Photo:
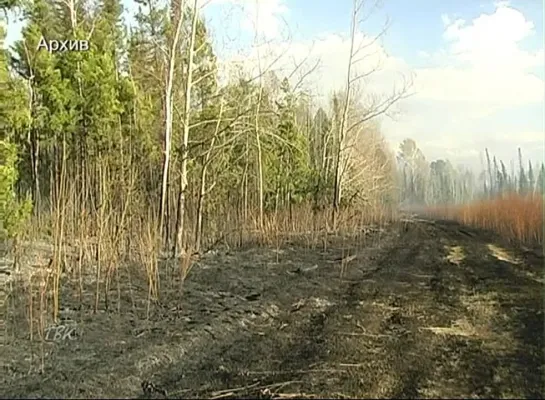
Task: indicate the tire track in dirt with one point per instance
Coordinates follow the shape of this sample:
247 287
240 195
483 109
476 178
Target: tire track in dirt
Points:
434 312
484 345
399 361
460 294
395 334
366 348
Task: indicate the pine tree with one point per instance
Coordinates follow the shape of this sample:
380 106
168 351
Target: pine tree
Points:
13 122
491 186
505 177
541 180
531 178
523 180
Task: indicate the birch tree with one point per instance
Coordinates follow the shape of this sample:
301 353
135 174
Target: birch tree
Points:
177 7
186 119
379 105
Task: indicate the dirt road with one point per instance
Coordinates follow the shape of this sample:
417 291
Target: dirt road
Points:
424 309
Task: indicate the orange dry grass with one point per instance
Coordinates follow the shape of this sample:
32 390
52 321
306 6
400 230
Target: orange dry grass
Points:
519 218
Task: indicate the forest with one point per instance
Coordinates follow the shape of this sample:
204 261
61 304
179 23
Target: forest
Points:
136 138
130 155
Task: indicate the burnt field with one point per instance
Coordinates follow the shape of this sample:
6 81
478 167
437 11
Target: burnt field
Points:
420 308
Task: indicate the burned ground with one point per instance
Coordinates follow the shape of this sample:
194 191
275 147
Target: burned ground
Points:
420 309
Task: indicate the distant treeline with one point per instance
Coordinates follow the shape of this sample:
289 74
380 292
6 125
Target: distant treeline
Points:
439 182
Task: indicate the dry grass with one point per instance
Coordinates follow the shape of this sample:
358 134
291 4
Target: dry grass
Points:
456 254
518 218
107 257
502 254
302 222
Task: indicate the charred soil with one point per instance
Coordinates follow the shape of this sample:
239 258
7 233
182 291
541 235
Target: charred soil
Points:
422 309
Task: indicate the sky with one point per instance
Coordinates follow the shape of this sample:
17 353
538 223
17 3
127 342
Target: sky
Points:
476 67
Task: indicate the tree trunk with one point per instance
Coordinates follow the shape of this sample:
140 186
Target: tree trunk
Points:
168 115
341 133
202 191
179 245
259 158
35 159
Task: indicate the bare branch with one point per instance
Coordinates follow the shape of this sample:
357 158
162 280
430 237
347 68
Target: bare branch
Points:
305 75
383 106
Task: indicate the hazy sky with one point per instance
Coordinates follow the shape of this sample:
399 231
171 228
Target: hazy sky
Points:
477 66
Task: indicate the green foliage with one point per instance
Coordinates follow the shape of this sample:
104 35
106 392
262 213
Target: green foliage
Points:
8 4
13 214
98 117
288 161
